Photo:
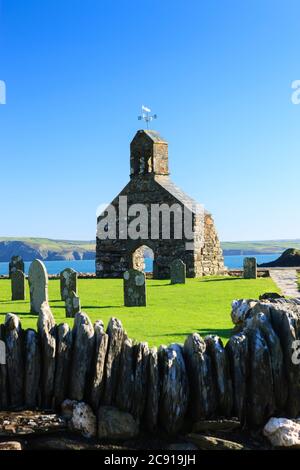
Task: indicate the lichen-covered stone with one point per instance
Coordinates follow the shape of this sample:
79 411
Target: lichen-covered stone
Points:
174 395
134 288
115 424
83 420
250 268
72 303
38 284
16 263
68 282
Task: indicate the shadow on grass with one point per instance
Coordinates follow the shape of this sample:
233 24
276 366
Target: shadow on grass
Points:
83 307
223 332
223 279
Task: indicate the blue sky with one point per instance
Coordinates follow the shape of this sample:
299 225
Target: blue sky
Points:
217 73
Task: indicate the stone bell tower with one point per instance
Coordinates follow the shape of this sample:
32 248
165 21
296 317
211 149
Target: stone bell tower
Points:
148 154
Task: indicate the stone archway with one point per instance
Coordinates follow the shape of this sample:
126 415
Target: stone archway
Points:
140 258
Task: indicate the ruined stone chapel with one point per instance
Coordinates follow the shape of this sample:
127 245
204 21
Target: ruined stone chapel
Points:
150 184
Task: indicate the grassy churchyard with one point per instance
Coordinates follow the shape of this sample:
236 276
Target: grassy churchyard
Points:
172 312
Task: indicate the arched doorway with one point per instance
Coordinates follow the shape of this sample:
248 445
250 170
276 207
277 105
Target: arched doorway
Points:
142 259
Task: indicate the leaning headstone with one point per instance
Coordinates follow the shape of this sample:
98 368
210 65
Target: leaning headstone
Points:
16 262
38 284
72 304
68 282
177 272
250 268
134 288
18 285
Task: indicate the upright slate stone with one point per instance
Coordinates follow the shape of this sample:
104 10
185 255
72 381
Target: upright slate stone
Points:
250 268
68 282
63 363
98 366
16 263
15 359
38 284
203 401
72 303
177 272
18 291
174 396
152 405
116 336
134 288
83 349
47 336
32 369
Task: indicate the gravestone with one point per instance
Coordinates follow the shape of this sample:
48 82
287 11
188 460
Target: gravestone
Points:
16 263
134 288
38 284
68 282
250 268
177 272
18 291
72 304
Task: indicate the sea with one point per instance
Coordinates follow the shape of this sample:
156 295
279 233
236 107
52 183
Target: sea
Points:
88 266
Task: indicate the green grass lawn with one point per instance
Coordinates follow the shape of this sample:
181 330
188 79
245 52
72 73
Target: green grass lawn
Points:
172 312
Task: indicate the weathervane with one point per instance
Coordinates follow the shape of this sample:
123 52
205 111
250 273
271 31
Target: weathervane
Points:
145 116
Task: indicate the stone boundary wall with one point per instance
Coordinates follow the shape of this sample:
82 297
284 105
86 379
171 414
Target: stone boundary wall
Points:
169 388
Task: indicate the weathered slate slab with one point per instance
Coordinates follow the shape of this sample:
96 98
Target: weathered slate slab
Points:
261 320
237 348
221 375
83 346
152 405
260 388
14 359
47 337
199 365
38 284
112 367
141 359
63 363
124 394
32 393
18 291
174 388
98 366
